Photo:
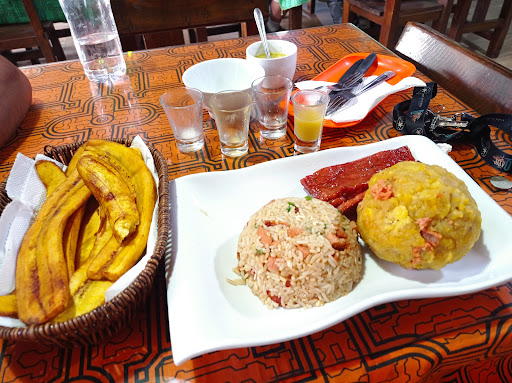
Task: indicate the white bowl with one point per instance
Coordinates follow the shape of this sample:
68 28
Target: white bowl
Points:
216 75
282 66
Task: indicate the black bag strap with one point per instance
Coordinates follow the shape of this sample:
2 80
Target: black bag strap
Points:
414 117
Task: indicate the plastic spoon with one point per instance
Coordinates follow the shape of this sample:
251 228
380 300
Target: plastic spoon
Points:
261 29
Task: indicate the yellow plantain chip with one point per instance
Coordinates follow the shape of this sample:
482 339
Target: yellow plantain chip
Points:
42 278
88 231
113 194
8 305
130 165
86 299
50 174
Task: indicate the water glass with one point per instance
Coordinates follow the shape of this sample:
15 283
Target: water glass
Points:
232 113
95 37
309 111
184 109
272 96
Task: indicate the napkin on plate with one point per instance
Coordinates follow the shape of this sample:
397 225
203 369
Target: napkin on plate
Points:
28 195
357 108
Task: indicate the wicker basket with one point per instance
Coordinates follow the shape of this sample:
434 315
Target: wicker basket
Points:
112 316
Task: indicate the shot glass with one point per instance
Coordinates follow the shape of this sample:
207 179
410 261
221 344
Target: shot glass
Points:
309 111
184 109
232 114
272 95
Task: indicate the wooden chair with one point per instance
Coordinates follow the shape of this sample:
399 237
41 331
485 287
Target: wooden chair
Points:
154 23
478 81
311 6
391 15
40 39
494 30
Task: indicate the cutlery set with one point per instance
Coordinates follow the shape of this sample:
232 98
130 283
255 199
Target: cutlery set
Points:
348 86
344 96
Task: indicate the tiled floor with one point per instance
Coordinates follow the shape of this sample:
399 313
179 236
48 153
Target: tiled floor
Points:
323 17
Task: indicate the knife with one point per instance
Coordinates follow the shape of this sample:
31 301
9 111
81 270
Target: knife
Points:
350 71
357 72
366 64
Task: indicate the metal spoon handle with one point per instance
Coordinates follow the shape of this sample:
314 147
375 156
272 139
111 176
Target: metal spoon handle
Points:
258 17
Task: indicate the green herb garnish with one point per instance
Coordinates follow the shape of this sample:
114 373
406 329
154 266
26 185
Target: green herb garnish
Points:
290 204
308 198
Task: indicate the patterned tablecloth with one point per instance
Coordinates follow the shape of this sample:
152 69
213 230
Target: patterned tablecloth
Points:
464 338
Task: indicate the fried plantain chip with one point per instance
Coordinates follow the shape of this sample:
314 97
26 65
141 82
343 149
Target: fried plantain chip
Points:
8 305
87 298
42 277
113 194
50 174
112 265
91 224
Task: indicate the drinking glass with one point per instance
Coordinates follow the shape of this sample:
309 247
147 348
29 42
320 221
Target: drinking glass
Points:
272 95
309 111
184 109
95 36
232 114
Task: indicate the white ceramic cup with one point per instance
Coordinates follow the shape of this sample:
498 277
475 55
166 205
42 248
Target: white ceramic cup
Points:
281 66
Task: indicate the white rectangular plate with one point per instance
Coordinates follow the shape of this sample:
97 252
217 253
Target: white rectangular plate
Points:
209 210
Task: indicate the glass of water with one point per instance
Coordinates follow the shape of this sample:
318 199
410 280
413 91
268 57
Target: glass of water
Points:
232 113
184 109
95 37
272 95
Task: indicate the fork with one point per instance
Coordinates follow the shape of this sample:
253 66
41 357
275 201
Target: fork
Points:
350 82
343 97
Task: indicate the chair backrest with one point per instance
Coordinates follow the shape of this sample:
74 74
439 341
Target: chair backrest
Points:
36 34
391 15
481 83
14 12
153 16
42 39
488 25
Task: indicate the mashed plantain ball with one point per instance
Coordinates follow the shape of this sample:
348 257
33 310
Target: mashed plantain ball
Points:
418 216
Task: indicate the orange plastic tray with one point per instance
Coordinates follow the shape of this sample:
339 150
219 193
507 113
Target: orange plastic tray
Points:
383 63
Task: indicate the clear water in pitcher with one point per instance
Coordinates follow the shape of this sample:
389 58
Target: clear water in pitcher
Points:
101 56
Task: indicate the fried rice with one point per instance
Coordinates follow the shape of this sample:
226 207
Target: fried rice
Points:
298 252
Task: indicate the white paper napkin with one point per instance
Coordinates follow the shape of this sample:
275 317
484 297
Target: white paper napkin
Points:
14 222
28 194
359 107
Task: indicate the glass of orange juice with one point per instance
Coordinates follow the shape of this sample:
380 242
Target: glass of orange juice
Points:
309 111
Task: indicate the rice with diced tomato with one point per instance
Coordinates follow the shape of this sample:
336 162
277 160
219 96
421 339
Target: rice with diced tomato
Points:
299 252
